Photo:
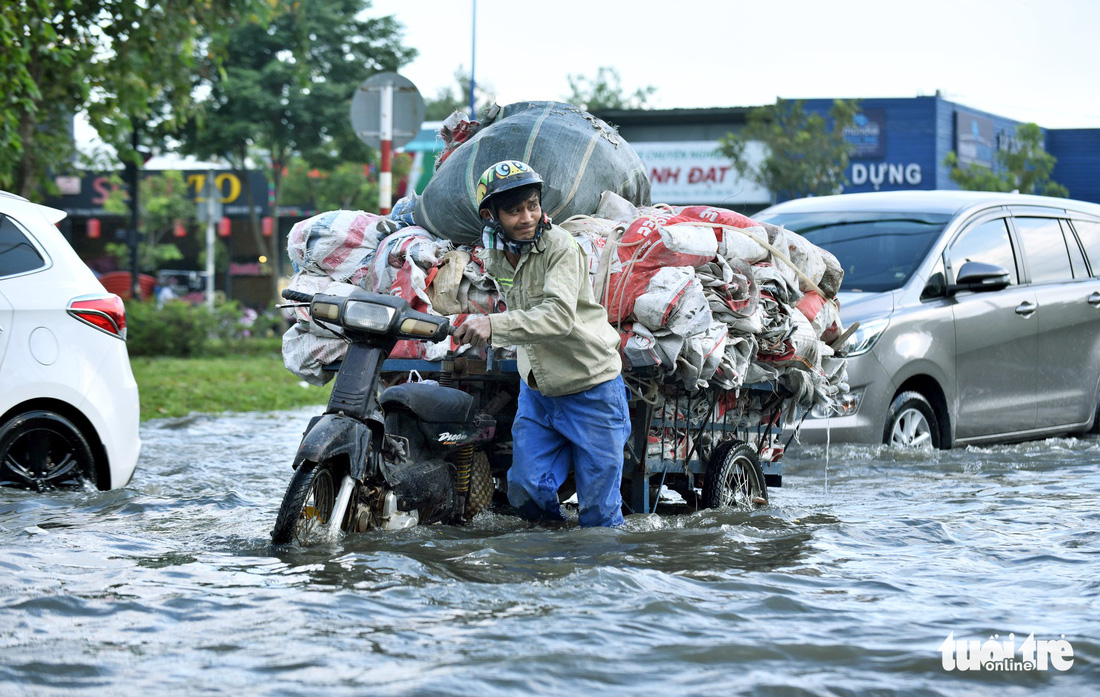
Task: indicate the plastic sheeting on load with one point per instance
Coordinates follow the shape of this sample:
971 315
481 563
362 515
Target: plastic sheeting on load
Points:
577 155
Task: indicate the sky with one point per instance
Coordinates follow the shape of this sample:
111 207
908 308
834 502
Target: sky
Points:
1028 61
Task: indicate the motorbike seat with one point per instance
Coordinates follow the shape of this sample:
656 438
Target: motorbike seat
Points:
430 402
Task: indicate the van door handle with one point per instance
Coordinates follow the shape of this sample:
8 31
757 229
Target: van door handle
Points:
1094 300
1026 308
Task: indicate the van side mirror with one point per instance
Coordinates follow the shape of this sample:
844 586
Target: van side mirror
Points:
980 277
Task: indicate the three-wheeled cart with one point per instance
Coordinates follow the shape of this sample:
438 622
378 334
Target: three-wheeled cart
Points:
690 449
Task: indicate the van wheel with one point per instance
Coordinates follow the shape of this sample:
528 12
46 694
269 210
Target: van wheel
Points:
911 423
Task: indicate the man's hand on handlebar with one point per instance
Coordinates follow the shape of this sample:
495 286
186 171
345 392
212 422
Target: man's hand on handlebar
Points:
475 331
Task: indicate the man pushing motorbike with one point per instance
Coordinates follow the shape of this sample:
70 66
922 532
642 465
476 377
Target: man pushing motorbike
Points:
572 409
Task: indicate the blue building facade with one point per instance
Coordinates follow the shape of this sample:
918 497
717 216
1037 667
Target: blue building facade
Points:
902 144
899 143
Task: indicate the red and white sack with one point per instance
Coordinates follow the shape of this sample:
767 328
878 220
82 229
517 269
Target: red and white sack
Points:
305 354
674 301
615 208
338 243
824 316
643 251
312 284
733 365
402 263
730 288
701 355
807 258
638 347
732 244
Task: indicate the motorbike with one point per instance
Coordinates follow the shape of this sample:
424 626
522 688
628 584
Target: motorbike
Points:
385 456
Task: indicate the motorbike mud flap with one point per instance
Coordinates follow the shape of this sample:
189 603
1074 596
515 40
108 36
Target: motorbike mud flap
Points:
334 435
418 483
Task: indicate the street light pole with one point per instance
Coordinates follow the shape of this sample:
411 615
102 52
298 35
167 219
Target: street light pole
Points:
473 60
132 177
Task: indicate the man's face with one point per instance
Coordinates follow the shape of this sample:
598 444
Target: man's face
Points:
520 221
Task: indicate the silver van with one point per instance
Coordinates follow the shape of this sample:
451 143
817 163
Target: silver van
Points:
979 314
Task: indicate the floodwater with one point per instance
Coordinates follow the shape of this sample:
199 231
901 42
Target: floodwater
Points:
848 583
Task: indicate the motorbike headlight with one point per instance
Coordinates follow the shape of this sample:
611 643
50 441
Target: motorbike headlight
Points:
368 316
865 336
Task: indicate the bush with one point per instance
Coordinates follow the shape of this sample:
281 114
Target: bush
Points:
183 330
175 329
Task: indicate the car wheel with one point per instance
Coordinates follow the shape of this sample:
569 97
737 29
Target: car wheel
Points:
911 423
43 450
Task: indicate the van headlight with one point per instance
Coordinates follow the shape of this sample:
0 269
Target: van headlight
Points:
844 406
865 336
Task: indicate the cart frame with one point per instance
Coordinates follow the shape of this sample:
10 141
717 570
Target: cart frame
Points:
678 452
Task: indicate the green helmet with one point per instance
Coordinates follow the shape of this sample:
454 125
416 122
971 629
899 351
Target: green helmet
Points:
502 176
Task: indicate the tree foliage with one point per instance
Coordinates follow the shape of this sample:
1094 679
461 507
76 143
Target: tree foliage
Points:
1026 167
285 89
806 153
348 186
606 92
121 62
163 201
446 101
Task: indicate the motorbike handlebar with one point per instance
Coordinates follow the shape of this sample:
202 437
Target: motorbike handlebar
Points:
297 296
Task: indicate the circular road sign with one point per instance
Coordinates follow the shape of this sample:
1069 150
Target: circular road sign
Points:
366 109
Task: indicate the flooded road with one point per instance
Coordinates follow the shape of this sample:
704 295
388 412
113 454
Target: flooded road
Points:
850 582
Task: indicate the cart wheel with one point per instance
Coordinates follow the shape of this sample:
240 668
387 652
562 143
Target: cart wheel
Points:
734 477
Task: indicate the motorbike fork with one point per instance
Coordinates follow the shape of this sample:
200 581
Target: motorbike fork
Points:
339 509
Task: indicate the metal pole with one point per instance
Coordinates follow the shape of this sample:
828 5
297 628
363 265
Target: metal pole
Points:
211 192
133 177
385 176
473 59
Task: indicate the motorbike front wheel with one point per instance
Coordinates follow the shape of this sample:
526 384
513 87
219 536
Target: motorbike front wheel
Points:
307 505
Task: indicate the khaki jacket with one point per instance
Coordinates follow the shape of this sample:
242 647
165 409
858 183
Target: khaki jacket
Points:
562 335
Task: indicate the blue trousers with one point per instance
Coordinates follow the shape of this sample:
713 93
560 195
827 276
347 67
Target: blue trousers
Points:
585 432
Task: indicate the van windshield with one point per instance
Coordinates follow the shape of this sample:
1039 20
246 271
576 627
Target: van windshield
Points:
878 251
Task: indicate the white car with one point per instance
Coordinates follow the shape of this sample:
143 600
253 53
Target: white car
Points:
68 400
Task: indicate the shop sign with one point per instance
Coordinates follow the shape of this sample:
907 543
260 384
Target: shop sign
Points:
695 172
87 195
905 174
974 139
867 135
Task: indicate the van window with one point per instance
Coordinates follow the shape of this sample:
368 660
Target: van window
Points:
1045 249
1089 232
17 254
988 243
1076 257
879 251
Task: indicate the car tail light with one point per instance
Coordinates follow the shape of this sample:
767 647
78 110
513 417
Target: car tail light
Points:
104 312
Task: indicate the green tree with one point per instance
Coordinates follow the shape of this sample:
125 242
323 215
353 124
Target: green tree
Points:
163 201
606 92
346 187
807 153
447 101
1026 167
286 86
123 63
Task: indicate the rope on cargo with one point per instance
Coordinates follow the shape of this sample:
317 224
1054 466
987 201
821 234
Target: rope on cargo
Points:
646 389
